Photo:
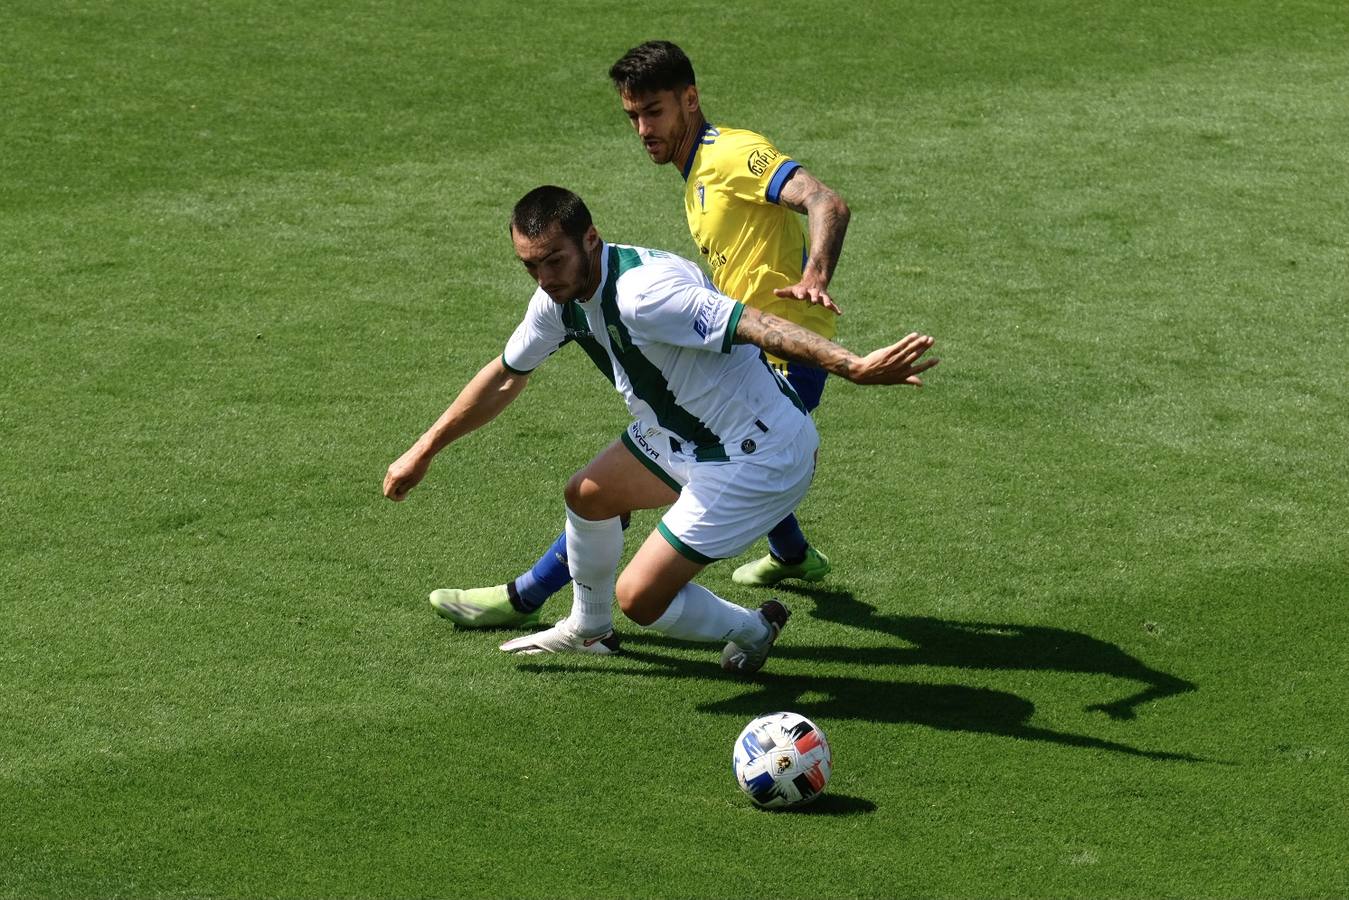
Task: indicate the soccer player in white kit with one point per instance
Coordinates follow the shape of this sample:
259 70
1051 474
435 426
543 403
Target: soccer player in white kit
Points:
716 435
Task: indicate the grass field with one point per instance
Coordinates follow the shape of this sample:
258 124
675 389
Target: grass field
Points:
1086 631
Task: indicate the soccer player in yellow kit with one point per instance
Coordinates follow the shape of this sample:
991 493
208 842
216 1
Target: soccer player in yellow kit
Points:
741 197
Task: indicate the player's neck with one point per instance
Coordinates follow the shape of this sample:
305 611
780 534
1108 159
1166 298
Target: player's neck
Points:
691 138
596 271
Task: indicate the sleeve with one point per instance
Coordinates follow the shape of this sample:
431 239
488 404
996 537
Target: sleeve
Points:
538 336
685 311
754 169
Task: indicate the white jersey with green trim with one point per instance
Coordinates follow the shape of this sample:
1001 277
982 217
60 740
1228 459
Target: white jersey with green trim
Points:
667 333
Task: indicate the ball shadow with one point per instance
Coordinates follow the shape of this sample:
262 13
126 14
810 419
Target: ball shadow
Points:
828 805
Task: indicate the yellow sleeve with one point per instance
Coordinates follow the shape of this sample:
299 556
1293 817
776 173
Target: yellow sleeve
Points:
752 167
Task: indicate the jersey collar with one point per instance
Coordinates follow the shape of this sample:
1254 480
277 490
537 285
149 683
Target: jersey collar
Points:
693 151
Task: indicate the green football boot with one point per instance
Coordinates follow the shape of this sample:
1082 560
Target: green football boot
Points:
488 607
768 571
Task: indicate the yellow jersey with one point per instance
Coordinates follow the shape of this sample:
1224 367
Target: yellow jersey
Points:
752 244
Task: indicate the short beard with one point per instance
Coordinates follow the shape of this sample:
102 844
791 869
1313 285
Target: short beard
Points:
674 145
586 269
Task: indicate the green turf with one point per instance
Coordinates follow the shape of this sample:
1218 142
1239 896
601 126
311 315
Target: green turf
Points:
1086 631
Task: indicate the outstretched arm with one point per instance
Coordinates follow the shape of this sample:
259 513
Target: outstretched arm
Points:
897 364
490 391
827 216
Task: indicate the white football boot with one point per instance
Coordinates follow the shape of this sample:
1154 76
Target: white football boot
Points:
561 639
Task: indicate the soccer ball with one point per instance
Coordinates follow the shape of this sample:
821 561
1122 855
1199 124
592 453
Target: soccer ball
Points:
781 760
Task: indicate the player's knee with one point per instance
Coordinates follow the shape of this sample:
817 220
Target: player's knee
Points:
583 497
636 603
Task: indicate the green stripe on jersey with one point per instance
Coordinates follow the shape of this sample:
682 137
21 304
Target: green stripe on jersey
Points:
648 383
783 385
578 330
729 337
628 258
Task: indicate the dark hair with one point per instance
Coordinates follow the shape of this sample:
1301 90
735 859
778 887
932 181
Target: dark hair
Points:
653 66
541 207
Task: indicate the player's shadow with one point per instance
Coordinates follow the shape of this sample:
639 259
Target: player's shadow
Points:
930 642
984 645
824 698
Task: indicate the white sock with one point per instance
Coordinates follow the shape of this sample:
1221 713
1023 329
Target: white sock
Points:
593 551
697 614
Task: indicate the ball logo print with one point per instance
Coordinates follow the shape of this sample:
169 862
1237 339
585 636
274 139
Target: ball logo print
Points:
782 760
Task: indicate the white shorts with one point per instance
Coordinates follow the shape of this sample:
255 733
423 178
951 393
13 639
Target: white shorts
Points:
725 506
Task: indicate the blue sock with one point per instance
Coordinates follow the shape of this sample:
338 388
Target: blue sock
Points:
786 541
548 576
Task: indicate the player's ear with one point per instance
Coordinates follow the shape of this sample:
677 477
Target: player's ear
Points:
691 100
592 239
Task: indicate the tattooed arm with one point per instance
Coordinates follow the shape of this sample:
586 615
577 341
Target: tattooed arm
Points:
896 364
827 216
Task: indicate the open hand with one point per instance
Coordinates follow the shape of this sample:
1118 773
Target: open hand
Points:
897 364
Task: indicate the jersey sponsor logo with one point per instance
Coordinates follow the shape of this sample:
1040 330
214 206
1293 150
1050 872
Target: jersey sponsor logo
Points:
715 260
760 159
574 322
702 320
702 199
748 446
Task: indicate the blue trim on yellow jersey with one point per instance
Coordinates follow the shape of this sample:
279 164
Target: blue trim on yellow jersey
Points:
688 163
780 177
